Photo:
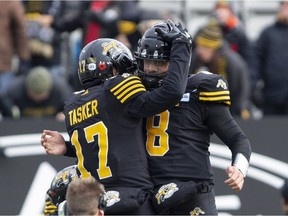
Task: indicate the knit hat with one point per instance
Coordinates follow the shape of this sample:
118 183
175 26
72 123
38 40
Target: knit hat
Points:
210 36
222 4
38 81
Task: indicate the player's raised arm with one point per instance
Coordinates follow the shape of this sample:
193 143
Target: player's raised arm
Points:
171 43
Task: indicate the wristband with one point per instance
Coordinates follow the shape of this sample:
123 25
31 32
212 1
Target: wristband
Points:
241 163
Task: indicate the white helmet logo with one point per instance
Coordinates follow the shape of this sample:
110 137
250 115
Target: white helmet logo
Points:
92 66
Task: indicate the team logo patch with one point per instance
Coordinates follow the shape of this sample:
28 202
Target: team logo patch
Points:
186 97
125 75
91 66
111 47
64 177
165 192
111 197
197 211
221 84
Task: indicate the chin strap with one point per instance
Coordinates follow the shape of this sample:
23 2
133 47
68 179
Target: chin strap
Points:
241 163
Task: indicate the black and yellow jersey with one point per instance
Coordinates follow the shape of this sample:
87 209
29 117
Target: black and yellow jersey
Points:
178 139
108 143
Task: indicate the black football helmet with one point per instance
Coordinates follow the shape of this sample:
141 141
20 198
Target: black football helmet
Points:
152 47
60 182
97 59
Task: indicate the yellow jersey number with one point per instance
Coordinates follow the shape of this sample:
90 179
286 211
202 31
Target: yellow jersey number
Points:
91 131
158 131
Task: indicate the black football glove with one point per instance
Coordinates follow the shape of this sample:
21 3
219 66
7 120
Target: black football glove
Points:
175 32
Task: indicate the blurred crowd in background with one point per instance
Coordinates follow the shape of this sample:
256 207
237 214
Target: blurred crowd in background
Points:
40 42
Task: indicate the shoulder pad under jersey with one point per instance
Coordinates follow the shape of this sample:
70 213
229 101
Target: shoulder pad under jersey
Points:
125 87
209 87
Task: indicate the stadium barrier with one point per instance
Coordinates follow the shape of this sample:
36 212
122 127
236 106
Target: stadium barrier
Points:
26 171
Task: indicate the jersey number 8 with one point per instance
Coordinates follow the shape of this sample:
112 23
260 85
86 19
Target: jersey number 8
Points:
157 143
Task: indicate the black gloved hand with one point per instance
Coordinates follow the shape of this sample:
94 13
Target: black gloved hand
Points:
175 32
124 63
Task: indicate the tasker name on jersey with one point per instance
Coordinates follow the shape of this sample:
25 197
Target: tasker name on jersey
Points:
83 112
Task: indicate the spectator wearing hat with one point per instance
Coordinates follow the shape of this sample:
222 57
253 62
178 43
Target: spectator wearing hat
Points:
271 68
212 52
284 197
36 95
232 29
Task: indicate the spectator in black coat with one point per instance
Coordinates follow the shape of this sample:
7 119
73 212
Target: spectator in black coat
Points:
271 67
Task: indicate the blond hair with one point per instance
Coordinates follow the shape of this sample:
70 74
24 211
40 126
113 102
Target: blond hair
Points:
83 196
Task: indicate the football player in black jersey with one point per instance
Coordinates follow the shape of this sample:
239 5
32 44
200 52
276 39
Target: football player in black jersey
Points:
104 121
178 139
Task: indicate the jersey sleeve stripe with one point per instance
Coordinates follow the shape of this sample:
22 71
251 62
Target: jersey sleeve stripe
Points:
127 88
127 85
216 93
131 88
132 93
119 85
219 98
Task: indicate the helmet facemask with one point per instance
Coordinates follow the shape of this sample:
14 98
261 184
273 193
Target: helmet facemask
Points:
152 79
151 47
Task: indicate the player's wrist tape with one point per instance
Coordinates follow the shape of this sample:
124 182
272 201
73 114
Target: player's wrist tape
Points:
241 163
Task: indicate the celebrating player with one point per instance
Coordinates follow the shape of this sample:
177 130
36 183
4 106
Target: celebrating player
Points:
178 139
